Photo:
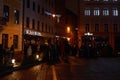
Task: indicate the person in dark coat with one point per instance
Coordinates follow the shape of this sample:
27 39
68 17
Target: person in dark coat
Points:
44 49
57 51
66 50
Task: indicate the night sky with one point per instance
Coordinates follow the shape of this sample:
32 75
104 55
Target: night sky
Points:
72 5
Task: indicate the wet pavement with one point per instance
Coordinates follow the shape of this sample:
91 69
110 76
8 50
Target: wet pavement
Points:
32 73
89 69
102 68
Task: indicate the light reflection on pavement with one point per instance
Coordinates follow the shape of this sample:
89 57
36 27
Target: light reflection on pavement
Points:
76 69
89 69
25 74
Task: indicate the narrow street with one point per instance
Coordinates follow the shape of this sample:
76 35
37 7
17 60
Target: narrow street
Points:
76 69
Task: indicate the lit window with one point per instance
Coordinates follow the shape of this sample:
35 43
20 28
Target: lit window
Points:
16 16
115 12
6 10
96 12
105 12
87 12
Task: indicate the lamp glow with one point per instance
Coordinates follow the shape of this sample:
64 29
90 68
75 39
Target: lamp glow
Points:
13 61
68 29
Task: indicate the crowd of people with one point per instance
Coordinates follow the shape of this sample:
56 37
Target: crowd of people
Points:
53 50
48 49
95 51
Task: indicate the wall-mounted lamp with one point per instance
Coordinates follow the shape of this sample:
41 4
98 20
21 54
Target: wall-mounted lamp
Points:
53 15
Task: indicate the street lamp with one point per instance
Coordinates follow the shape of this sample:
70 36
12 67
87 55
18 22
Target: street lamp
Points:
53 15
68 30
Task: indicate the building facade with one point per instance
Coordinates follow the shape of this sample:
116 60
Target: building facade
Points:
38 20
10 32
67 21
71 22
22 20
60 9
99 23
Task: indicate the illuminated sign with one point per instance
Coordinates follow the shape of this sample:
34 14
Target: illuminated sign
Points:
88 34
30 32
